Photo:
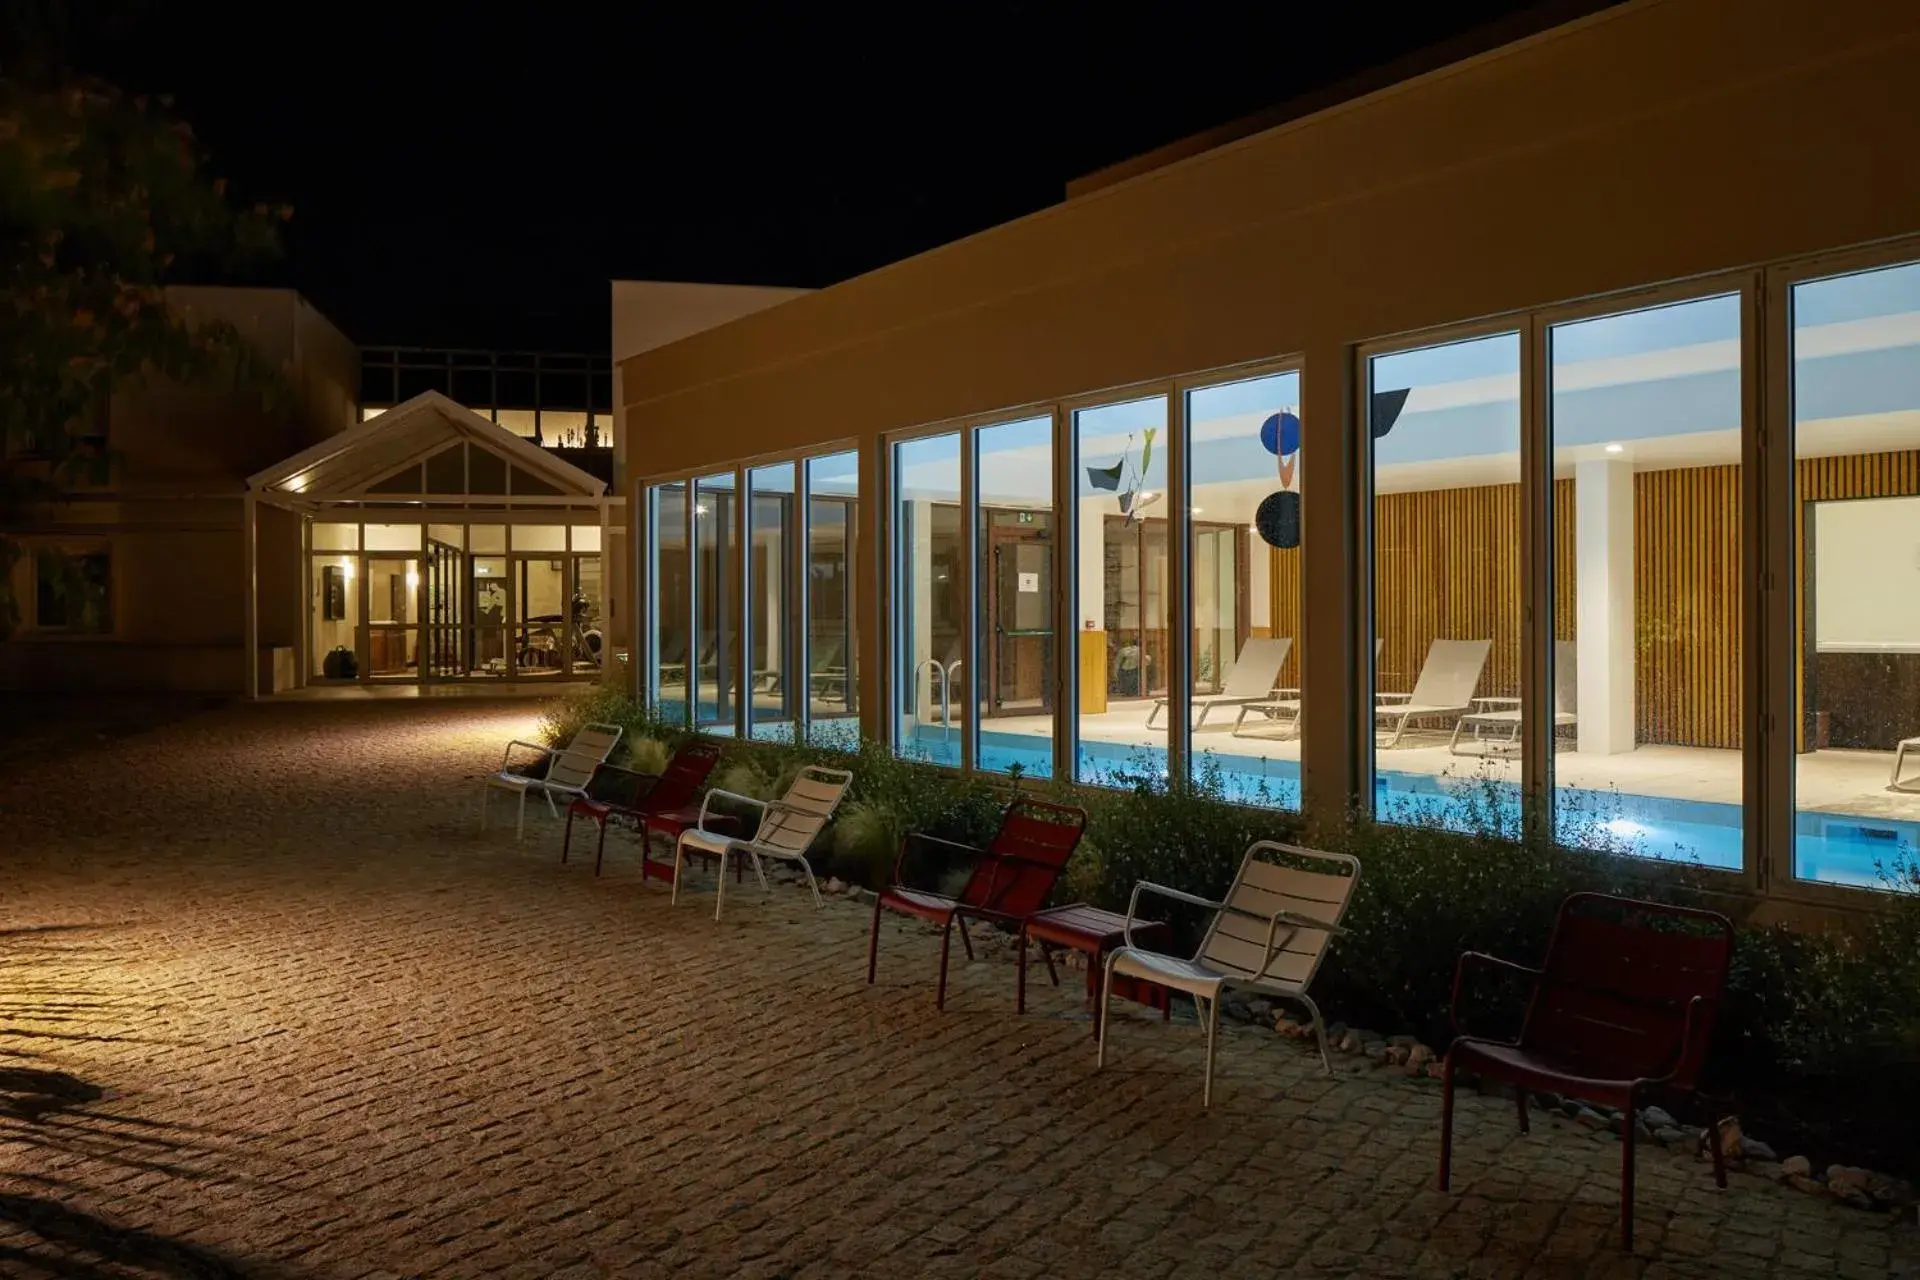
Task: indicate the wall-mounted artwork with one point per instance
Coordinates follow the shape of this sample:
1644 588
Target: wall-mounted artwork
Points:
333 593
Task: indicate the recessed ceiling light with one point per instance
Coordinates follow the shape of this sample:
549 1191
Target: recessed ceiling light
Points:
1616 448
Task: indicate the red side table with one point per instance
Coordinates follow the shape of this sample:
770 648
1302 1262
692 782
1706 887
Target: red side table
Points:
1094 932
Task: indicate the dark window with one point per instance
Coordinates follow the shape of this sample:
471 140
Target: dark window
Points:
73 591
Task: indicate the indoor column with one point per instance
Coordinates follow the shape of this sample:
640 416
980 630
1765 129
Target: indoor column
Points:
1603 560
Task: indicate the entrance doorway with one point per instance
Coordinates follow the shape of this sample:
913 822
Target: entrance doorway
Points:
1017 580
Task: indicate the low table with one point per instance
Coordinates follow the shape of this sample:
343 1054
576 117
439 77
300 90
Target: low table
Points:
1094 932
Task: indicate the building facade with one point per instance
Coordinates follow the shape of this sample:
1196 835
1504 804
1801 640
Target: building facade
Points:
1534 444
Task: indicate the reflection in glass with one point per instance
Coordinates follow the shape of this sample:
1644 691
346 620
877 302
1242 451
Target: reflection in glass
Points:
1856 425
1244 460
487 636
670 611
1121 612
833 491
1016 648
931 624
1645 420
393 634
716 665
773 710
539 584
585 634
335 611
1445 428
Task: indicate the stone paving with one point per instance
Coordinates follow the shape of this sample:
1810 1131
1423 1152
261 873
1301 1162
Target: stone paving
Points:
272 1005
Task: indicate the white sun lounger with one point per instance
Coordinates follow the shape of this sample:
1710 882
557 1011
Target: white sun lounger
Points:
1505 719
1269 934
569 770
1254 674
1445 688
787 830
1899 759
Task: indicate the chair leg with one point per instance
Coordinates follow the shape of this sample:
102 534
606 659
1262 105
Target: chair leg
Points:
566 839
600 851
720 885
520 826
1157 708
1319 1033
1100 1015
1719 1157
1446 1123
679 865
1520 1099
1213 1033
873 942
1020 976
1053 975
760 873
813 881
486 794
965 941
946 945
1627 1125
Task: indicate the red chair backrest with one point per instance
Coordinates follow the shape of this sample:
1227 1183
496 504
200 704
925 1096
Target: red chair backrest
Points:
680 782
1028 853
1619 977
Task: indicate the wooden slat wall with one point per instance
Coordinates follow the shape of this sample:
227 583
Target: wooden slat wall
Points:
1448 566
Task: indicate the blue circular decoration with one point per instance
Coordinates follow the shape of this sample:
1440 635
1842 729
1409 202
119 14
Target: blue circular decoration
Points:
1280 434
1278 519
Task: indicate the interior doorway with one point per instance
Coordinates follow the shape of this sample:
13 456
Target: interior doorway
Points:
1018 589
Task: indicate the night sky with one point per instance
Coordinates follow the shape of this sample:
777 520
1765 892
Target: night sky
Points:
468 180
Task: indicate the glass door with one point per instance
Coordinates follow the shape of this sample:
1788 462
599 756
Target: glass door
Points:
1019 589
586 628
487 628
393 617
446 610
1216 605
540 633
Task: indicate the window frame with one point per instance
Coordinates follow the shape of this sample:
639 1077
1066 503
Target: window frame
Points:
75 547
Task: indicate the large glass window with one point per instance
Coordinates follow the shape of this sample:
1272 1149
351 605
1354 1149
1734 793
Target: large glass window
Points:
1444 422
1016 649
716 592
335 604
1856 523
772 707
1644 414
1244 442
929 598
393 615
669 613
833 658
1122 609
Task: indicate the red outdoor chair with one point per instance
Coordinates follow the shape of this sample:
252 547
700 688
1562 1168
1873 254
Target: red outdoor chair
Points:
1620 1014
1011 879
653 804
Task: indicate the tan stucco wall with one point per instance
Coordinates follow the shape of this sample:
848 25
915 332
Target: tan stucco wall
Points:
1658 140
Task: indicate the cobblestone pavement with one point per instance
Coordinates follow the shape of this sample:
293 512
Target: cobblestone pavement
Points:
271 1005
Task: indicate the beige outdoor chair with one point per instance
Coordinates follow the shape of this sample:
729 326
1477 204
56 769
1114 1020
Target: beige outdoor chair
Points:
1269 934
569 770
1252 679
1501 716
788 827
1445 688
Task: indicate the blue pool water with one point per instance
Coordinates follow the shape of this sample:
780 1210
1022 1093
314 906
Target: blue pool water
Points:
1834 848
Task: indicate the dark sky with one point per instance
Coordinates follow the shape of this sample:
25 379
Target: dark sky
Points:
474 180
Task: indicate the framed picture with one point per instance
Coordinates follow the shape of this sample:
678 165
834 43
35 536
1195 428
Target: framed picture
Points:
333 593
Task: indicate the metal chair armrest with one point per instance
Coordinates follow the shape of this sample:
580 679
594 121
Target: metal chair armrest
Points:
1693 1043
912 838
706 807
506 755
1148 886
1459 975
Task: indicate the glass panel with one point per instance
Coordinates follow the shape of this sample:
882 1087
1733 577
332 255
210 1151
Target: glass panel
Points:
1645 420
328 536
539 537
487 636
1856 416
563 428
73 591
715 595
833 660
486 472
1244 457
539 585
489 539
452 535
671 632
1016 647
404 481
446 605
335 610
525 482
1121 589
393 638
773 711
518 421
930 599
586 537
393 537
447 471
587 636
1445 426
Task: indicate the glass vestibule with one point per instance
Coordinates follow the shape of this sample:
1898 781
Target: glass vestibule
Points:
395 602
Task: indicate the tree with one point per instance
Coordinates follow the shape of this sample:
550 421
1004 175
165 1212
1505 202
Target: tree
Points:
104 198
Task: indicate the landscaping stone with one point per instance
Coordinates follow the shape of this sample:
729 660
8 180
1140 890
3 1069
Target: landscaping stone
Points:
1671 1137
835 884
1418 1057
1657 1118
1847 1175
1796 1167
1895 1192
1812 1186
1260 1009
1591 1119
1754 1149
1767 1169
1404 1042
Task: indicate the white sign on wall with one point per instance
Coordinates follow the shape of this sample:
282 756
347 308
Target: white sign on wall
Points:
1030 582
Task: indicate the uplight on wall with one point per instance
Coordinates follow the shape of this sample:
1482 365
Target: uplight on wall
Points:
346 567
413 579
1616 447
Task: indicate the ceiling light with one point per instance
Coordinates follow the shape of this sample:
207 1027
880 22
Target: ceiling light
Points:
1616 447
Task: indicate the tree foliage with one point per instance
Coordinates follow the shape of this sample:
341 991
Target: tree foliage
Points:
104 199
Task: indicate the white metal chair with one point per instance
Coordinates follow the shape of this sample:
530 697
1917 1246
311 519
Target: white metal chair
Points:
787 830
1899 760
1269 934
1255 672
569 770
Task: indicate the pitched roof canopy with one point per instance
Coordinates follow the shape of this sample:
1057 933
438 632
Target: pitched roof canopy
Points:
429 445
